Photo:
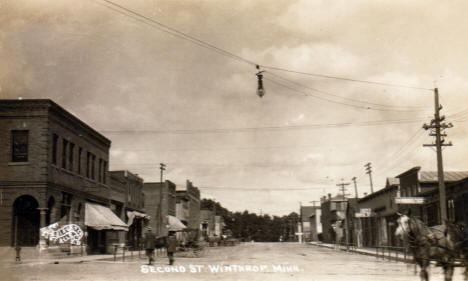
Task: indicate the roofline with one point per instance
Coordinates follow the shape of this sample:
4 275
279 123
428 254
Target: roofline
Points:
378 192
60 110
417 169
126 173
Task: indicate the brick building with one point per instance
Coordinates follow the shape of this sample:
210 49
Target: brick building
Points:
333 211
160 205
127 202
193 194
53 168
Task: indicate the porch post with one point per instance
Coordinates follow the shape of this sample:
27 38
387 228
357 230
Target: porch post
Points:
42 241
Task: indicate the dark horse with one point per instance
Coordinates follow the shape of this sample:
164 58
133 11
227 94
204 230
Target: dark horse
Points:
459 233
428 243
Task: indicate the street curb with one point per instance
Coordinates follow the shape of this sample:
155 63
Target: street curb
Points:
362 252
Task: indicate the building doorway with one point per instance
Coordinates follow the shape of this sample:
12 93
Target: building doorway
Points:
96 241
26 221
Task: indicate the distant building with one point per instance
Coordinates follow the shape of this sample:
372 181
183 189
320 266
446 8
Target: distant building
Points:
315 224
207 224
333 215
193 194
53 168
219 226
127 202
160 202
377 215
305 213
182 206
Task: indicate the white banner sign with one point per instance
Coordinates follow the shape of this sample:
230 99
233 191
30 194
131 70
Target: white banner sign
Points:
69 232
409 200
364 213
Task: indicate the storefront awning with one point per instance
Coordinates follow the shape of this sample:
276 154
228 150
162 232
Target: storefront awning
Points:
174 224
134 214
100 217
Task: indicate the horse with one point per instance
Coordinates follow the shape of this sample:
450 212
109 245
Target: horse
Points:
428 243
459 232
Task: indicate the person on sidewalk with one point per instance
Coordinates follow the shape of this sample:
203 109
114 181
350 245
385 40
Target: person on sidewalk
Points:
171 245
150 244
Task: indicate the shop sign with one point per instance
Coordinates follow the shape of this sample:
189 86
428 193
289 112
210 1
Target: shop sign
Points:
68 233
410 200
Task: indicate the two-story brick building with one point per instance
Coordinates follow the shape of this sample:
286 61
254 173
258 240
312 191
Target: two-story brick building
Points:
127 202
333 211
160 205
53 168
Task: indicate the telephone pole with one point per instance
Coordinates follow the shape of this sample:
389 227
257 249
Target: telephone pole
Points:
162 167
342 186
355 186
437 127
369 172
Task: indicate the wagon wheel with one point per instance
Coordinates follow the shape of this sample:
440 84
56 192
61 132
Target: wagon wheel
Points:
198 251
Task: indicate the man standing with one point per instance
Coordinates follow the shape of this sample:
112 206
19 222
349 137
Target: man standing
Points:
171 245
150 243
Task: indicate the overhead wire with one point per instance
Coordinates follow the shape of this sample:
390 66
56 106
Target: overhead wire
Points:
410 148
334 101
268 128
165 28
345 79
182 35
346 98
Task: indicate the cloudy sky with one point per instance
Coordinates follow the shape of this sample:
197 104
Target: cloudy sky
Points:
193 106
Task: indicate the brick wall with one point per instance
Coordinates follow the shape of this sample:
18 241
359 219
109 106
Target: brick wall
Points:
39 177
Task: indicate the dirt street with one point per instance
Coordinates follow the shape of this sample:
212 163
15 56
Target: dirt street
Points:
257 261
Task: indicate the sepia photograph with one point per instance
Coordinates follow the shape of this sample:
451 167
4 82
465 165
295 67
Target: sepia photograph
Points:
233 140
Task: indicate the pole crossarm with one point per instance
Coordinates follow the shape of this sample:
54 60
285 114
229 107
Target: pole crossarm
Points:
369 172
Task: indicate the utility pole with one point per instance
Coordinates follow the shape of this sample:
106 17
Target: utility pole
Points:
162 167
355 186
437 127
300 226
369 172
342 186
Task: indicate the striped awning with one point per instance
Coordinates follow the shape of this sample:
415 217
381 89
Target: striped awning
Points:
100 217
174 224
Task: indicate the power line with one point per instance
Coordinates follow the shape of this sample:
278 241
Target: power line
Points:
270 128
333 101
409 150
165 28
260 189
182 35
417 133
345 79
346 98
